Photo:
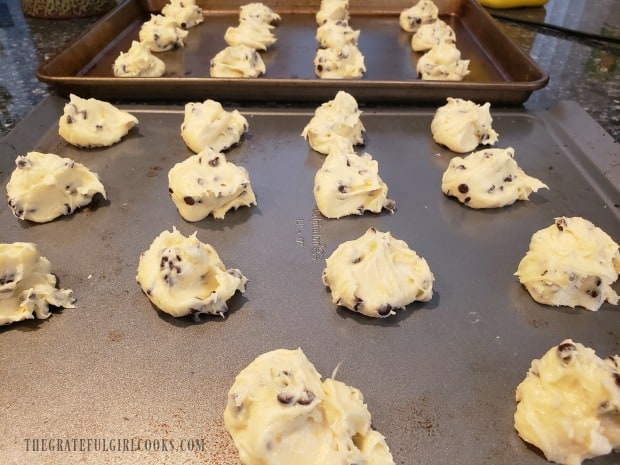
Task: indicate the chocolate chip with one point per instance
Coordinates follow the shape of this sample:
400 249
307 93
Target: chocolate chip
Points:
21 162
189 200
466 199
67 209
84 114
306 398
319 68
598 281
358 303
613 360
70 119
508 178
592 293
214 162
460 167
560 223
170 191
384 310
342 188
357 260
99 127
616 377
7 278
565 351
285 398
463 188
491 189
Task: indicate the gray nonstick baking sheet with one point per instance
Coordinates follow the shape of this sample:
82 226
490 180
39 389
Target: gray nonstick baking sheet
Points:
439 377
500 71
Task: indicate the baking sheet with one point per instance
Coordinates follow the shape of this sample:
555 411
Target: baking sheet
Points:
439 378
500 71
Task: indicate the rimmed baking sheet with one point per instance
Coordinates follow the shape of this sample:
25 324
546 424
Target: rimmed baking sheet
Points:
439 377
500 71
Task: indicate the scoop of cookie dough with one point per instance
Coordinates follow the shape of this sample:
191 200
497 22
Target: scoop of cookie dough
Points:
336 34
571 263
348 184
377 274
431 34
162 33
333 120
568 405
423 12
27 286
185 12
138 61
442 63
252 33
488 178
93 123
258 11
461 125
207 124
237 62
44 186
183 276
333 10
346 62
206 184
279 412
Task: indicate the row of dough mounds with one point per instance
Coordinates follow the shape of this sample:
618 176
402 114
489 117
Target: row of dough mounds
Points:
254 32
159 34
442 60
338 56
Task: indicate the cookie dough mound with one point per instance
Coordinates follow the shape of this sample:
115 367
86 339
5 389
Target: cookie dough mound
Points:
252 33
442 63
333 120
237 62
183 276
346 62
27 285
377 274
336 34
431 34
207 124
258 11
91 123
488 178
461 125
423 12
44 186
333 10
348 184
571 263
162 33
206 184
569 404
184 12
280 412
138 61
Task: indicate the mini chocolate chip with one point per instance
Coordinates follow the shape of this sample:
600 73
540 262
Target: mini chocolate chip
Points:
616 377
285 398
463 188
70 119
613 360
592 293
461 167
306 398
491 189
358 303
84 114
357 260
7 278
598 281
508 178
384 310
67 209
21 162
170 191
560 223
99 127
342 188
565 351
466 199
484 138
214 162
189 200
319 68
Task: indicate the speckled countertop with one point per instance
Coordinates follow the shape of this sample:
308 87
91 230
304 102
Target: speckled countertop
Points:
580 69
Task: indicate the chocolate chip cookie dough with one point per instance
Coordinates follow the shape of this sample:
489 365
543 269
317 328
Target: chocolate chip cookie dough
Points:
423 12
280 412
162 33
377 274
138 61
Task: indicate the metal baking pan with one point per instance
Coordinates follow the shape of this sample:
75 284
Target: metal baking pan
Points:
438 377
500 71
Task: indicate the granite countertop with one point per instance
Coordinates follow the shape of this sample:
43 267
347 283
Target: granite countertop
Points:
580 68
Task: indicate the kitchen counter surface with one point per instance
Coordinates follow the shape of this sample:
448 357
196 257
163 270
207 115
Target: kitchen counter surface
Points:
582 69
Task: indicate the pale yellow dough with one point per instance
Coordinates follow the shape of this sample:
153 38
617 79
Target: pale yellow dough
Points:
423 12
183 276
336 34
462 125
93 123
442 63
346 62
349 184
206 184
207 124
431 34
489 178
162 33
27 285
571 263
332 10
237 62
44 186
185 12
252 33
279 412
377 274
334 120
569 404
258 11
138 61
